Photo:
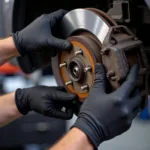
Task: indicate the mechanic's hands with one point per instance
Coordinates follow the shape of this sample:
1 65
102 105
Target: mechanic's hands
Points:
48 101
104 116
38 35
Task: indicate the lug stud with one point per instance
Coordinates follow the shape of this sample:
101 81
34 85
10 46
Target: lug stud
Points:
63 65
84 87
78 52
68 83
113 78
110 73
89 68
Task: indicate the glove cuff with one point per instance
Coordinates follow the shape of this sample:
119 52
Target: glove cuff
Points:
22 102
14 36
91 128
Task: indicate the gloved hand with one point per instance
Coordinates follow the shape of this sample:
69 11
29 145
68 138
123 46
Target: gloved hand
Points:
48 101
38 35
104 116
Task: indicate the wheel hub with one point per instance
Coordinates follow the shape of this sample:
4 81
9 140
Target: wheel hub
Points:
78 72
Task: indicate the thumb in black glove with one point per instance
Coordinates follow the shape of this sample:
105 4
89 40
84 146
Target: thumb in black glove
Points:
104 116
38 35
48 101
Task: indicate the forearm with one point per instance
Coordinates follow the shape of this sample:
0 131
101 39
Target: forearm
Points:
7 50
8 109
74 140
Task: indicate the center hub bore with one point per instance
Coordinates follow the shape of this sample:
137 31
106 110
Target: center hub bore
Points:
76 72
76 69
77 66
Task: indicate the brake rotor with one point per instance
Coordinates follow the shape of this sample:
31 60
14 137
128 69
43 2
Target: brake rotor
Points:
96 38
86 29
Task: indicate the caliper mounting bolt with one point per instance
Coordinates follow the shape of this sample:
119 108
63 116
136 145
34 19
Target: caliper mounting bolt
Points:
80 52
110 73
63 65
89 68
68 83
84 87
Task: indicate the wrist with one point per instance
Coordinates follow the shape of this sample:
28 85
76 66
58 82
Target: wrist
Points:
9 44
8 110
91 127
7 50
74 140
82 137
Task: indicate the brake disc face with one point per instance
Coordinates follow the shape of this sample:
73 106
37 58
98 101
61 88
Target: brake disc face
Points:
92 34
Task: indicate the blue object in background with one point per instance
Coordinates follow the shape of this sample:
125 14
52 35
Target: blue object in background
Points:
145 114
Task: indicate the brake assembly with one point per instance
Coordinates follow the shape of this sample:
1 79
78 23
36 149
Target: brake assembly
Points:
96 38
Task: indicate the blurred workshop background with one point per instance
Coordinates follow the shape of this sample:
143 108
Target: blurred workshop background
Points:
36 132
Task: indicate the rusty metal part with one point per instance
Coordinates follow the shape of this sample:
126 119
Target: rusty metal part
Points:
87 42
81 34
96 38
121 55
120 11
81 80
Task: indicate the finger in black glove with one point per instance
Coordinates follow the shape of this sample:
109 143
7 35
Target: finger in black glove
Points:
104 116
48 101
38 35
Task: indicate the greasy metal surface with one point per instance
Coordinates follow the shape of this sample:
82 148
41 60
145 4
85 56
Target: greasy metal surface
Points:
82 19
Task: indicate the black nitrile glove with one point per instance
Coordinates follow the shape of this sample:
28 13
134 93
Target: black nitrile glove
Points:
104 116
48 101
38 35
